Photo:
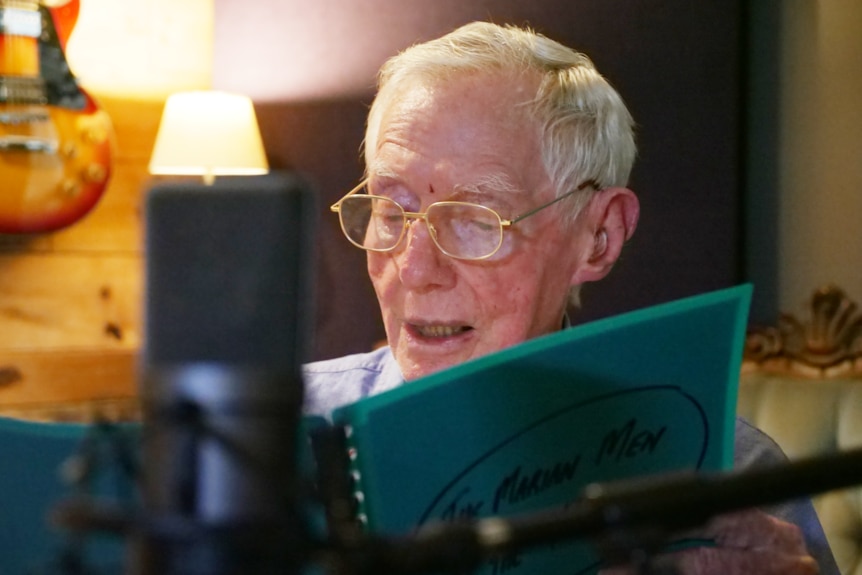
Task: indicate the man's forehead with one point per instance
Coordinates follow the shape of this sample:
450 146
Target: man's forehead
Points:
480 183
472 130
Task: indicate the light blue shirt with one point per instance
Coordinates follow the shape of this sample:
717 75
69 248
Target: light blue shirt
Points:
332 383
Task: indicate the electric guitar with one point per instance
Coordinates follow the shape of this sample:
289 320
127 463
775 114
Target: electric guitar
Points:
55 142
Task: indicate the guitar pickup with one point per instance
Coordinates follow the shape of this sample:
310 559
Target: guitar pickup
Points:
25 144
22 90
21 22
21 118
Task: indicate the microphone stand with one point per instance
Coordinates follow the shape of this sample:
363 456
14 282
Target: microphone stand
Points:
626 521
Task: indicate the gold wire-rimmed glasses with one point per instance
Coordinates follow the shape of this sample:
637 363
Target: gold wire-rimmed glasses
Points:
461 230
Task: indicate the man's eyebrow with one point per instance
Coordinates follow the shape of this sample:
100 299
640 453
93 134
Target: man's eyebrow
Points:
381 171
490 183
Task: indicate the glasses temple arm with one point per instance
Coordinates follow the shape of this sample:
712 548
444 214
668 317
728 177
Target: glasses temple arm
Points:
580 188
336 207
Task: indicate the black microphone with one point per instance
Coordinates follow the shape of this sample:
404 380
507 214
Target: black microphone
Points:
227 328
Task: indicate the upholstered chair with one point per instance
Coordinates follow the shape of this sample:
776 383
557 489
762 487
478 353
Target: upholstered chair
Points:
802 384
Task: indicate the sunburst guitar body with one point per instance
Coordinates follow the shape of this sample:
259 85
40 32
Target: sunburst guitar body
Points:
55 142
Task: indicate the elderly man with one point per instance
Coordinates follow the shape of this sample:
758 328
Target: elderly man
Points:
498 161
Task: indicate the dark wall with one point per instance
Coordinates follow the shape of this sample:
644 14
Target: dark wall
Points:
675 62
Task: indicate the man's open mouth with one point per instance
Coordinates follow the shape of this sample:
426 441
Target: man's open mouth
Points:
433 331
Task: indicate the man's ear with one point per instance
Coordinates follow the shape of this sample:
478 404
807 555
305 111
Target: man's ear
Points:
611 219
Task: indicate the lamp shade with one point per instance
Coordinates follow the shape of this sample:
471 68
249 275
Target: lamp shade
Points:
208 133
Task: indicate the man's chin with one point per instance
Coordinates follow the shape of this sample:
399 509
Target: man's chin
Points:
413 368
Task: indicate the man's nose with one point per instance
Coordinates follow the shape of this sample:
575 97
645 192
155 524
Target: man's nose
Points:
421 263
418 233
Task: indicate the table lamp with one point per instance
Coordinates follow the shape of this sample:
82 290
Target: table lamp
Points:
208 134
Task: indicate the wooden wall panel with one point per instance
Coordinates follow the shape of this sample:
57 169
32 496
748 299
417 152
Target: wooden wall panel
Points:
68 385
70 301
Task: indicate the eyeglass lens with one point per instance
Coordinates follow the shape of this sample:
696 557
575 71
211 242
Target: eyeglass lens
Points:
460 230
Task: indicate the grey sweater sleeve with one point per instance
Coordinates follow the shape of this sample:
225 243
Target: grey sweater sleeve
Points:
756 449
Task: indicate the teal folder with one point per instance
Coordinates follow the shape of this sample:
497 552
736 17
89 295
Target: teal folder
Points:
526 429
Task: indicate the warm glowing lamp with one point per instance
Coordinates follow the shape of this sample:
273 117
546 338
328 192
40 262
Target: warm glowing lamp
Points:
208 134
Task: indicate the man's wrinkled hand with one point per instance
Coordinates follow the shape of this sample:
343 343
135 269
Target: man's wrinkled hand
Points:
748 542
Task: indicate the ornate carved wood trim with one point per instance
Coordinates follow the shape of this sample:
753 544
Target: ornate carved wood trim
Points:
827 342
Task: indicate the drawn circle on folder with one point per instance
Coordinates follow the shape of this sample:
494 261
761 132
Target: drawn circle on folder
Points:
616 435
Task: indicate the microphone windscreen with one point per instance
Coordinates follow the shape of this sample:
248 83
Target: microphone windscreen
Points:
228 272
227 323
